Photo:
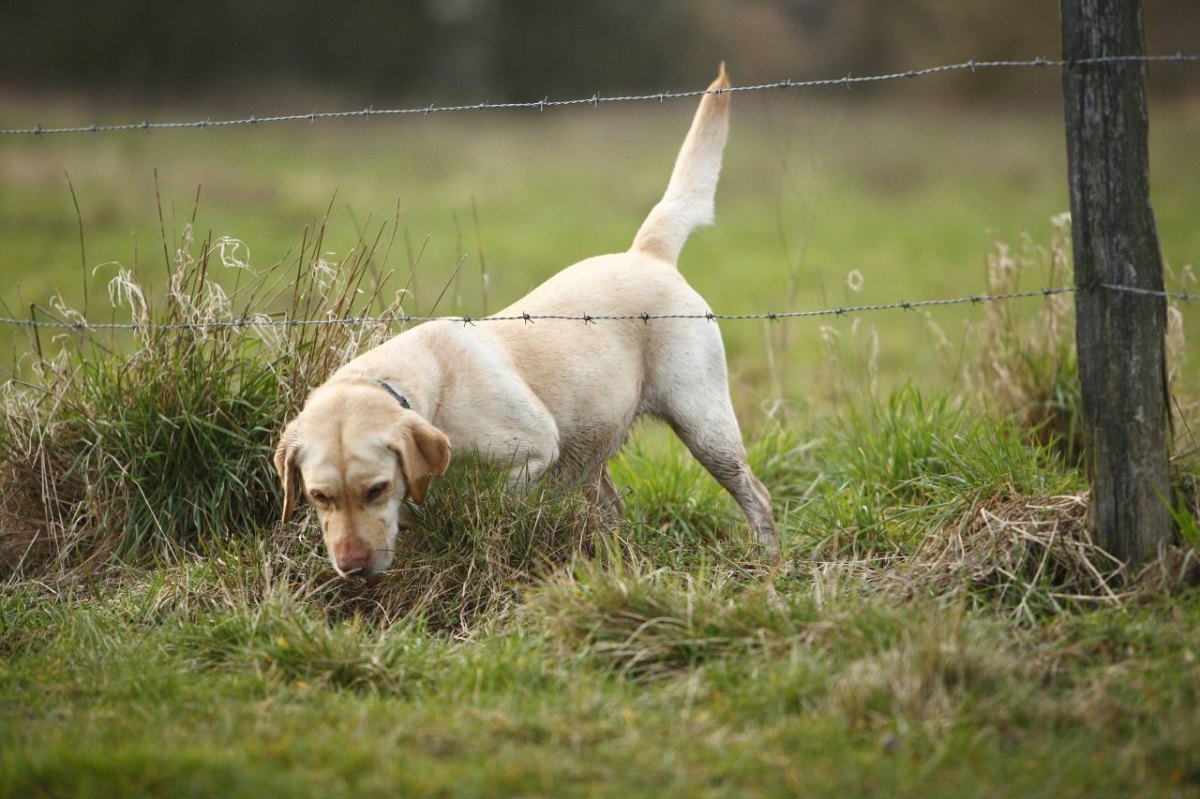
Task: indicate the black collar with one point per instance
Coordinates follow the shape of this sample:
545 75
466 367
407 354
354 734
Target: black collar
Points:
399 397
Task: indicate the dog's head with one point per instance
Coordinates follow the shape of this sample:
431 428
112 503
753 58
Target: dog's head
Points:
357 454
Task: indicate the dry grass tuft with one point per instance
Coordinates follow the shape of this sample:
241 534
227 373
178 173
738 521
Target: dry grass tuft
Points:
1033 555
44 508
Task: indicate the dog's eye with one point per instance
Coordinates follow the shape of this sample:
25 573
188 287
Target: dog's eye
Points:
375 492
318 497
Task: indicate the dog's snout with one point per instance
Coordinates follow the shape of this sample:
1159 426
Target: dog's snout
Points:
352 557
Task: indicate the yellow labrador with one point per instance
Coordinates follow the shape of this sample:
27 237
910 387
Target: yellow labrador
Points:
552 396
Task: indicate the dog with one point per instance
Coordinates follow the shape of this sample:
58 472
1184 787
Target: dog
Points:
552 397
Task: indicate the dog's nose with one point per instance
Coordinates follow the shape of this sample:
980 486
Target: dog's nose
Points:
352 558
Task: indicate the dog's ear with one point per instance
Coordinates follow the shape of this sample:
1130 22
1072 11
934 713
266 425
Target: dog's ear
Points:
285 465
424 451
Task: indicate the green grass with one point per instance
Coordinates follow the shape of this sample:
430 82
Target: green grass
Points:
509 653
937 623
617 678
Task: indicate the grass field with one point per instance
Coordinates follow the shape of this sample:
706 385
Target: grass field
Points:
938 622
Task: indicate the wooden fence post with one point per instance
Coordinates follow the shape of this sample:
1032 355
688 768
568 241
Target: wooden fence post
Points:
1119 335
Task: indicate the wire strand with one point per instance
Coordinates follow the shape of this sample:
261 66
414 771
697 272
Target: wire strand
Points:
584 318
846 81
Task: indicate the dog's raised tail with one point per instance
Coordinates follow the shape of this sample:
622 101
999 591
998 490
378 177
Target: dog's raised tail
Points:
688 201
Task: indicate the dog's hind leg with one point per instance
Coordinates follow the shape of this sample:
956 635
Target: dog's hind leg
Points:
710 431
688 388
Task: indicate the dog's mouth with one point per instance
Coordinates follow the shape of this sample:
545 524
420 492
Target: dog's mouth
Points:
359 575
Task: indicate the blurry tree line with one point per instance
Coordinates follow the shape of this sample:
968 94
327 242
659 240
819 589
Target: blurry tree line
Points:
526 49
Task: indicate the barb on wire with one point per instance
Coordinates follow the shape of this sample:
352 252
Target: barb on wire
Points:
846 81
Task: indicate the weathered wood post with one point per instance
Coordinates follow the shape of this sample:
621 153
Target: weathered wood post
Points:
1119 335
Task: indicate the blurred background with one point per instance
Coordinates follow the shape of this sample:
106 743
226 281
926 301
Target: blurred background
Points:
524 49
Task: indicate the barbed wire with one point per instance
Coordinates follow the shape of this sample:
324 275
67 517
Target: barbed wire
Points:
265 321
847 81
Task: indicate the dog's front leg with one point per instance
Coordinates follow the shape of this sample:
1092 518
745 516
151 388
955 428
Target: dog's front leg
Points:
522 476
601 493
607 495
528 458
